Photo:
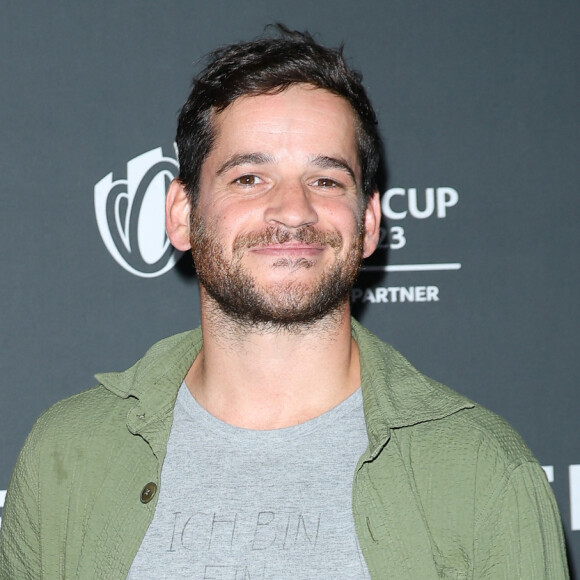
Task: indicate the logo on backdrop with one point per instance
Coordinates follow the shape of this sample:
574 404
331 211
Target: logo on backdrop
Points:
131 215
399 204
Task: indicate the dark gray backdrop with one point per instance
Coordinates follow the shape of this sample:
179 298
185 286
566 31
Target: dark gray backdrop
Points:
477 97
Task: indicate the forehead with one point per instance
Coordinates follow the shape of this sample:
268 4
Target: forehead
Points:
299 119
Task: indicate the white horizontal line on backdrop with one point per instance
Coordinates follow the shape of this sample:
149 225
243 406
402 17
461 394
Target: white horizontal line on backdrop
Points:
413 267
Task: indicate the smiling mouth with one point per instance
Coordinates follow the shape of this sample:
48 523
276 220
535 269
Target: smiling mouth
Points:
290 249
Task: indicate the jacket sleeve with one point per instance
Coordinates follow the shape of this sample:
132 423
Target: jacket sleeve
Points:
519 533
20 531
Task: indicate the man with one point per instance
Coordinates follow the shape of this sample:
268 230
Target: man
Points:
280 440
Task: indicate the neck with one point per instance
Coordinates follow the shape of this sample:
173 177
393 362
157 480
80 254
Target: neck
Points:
267 377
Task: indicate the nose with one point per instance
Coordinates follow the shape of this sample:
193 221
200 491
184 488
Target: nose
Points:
289 205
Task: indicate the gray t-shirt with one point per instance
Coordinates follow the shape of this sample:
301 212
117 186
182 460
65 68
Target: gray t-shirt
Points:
241 504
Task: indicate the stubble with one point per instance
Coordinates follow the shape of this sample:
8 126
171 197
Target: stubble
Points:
290 305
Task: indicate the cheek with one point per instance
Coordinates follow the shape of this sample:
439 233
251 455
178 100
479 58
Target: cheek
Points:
351 222
341 212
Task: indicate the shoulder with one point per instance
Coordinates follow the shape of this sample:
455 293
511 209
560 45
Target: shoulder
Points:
92 422
473 447
432 424
107 404
471 459
82 425
494 436
89 409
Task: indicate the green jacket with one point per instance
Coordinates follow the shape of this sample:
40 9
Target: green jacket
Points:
446 489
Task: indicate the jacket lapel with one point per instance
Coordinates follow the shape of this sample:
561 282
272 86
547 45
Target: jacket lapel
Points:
386 505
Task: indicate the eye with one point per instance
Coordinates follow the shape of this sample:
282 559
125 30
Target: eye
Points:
326 182
248 180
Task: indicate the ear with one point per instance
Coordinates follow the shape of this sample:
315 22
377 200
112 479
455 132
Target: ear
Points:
177 209
372 224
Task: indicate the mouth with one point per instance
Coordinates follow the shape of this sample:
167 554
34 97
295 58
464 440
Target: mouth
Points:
289 249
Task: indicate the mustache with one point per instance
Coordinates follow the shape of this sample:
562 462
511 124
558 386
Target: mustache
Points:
280 235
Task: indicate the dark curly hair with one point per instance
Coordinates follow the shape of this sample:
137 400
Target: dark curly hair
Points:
269 65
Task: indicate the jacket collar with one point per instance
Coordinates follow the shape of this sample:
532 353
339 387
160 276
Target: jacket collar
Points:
395 394
154 382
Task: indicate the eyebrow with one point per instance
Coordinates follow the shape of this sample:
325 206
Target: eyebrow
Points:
325 162
245 159
321 161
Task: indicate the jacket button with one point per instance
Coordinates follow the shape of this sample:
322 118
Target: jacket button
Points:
148 492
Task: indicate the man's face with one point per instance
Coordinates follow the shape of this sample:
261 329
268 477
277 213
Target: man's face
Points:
278 232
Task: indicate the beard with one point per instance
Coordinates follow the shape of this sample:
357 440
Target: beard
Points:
288 304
